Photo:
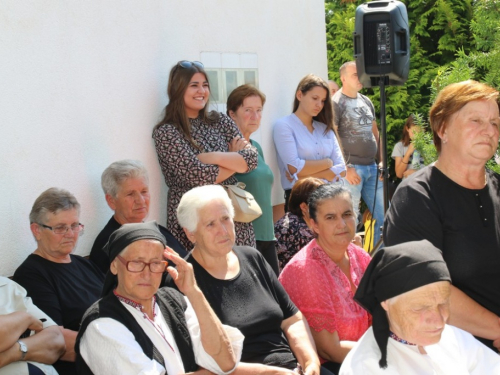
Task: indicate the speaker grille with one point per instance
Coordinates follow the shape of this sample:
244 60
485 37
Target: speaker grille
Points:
370 43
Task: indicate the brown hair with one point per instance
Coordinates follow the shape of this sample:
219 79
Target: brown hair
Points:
406 134
306 84
175 111
239 94
300 193
453 98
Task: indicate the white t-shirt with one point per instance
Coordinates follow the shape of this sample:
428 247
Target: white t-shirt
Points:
416 161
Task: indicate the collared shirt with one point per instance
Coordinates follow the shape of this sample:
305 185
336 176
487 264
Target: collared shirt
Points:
119 352
14 298
457 353
295 145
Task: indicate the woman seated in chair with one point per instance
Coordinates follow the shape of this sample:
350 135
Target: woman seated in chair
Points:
137 329
243 289
292 230
322 278
61 284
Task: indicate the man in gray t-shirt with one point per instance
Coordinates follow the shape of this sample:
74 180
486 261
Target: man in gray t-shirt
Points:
354 117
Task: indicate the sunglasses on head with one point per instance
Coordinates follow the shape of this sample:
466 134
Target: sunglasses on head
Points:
189 64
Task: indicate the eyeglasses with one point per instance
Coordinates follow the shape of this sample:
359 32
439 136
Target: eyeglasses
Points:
189 64
63 229
138 266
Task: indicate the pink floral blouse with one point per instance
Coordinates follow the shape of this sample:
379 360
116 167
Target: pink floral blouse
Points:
322 292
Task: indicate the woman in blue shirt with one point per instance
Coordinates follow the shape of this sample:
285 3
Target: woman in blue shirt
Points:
306 141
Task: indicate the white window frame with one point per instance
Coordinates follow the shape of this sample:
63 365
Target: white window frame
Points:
222 62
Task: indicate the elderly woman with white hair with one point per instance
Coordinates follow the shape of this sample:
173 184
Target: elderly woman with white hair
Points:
126 187
243 289
137 328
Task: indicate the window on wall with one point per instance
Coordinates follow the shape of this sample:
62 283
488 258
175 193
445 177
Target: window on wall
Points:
226 71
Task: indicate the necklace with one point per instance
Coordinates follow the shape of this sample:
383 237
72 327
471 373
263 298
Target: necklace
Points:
393 336
139 307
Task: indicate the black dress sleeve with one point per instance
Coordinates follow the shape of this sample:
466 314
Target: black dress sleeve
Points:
39 287
413 215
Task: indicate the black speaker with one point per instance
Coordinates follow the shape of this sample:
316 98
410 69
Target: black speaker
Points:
382 43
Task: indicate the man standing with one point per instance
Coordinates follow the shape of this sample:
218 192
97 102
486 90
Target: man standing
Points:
333 87
354 116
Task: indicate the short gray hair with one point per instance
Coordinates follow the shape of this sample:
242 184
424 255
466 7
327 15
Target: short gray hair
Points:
114 175
53 201
345 65
195 199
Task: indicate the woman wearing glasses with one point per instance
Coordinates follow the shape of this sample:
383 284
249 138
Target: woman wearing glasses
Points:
137 328
196 147
306 141
61 284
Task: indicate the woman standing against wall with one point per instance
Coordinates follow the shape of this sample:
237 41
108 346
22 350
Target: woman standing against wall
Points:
196 147
306 141
244 106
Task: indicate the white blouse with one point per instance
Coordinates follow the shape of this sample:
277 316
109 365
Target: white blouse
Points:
457 353
108 347
295 145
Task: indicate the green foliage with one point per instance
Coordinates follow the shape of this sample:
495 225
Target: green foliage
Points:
450 41
456 71
485 29
339 34
423 140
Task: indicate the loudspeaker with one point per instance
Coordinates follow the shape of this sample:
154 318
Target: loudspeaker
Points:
382 43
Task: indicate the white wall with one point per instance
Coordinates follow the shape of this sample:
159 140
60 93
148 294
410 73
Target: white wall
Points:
82 84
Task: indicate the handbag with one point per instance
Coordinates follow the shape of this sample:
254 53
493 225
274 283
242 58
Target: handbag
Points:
246 208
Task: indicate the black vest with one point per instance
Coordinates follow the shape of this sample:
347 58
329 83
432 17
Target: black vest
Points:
172 306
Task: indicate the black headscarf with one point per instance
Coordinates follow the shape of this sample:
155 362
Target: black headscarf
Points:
121 238
393 271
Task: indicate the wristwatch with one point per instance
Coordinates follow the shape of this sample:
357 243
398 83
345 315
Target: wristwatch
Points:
23 348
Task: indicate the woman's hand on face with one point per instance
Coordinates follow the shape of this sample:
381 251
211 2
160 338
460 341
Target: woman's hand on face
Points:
411 148
237 144
182 274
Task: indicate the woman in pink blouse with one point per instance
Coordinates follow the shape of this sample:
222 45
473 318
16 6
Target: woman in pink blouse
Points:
321 279
196 147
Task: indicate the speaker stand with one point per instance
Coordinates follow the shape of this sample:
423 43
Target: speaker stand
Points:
383 152
383 138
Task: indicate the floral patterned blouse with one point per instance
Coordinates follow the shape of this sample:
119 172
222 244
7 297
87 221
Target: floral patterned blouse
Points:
323 293
292 234
183 171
